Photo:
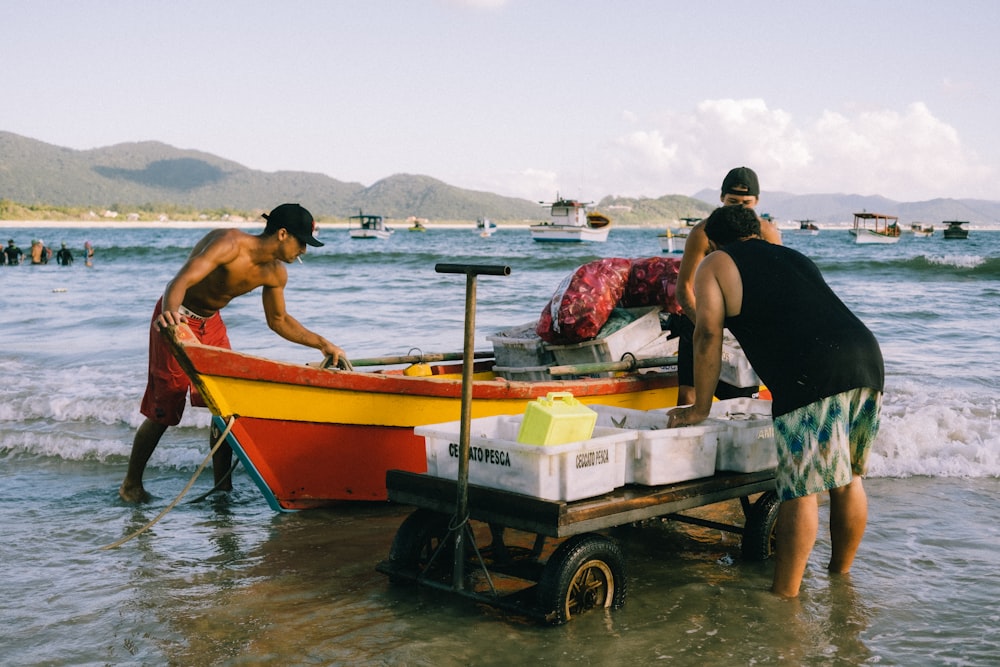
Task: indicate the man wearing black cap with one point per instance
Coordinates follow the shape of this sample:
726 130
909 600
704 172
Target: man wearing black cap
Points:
740 186
223 265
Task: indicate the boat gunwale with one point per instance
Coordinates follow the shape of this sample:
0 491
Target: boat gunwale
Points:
200 360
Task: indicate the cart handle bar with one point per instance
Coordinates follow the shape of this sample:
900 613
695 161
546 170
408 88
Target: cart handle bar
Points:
474 269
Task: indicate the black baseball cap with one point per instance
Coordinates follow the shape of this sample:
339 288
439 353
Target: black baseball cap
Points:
741 181
297 220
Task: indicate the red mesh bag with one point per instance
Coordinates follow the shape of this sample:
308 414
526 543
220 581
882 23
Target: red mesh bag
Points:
653 282
583 301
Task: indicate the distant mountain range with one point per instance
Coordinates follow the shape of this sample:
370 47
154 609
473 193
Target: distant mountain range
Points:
151 174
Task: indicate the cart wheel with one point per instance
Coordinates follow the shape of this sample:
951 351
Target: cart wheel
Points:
416 541
758 533
586 572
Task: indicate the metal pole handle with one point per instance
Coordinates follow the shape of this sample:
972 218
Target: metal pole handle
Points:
474 269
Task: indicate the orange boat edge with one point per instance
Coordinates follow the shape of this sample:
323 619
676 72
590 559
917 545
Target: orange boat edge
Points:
311 437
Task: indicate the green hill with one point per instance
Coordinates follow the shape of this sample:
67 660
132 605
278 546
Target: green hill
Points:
154 177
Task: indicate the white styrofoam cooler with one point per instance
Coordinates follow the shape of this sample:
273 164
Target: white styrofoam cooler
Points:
749 444
661 455
566 472
633 337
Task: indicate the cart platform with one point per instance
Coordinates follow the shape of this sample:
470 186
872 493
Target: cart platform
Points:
586 570
553 518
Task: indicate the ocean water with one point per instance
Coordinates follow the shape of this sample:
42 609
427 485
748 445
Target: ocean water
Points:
226 581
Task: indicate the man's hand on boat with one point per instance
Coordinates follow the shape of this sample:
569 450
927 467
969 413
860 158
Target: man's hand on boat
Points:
336 359
689 415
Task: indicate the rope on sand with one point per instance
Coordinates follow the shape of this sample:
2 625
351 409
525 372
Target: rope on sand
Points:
215 447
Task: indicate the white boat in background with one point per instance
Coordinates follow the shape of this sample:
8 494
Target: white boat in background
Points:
883 229
368 227
672 244
920 230
485 227
570 222
672 241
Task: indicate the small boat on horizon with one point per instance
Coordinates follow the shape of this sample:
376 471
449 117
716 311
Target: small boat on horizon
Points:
955 230
673 240
884 228
368 227
486 227
569 221
920 230
417 224
808 226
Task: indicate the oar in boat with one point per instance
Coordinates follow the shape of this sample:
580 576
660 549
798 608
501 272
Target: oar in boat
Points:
628 363
410 358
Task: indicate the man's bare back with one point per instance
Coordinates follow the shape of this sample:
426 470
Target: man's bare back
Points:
240 267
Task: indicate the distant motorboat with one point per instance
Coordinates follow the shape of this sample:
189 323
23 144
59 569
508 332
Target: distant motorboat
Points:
369 227
486 227
955 230
808 227
883 229
570 222
920 230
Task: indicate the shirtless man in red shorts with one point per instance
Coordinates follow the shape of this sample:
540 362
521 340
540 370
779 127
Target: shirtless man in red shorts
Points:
223 265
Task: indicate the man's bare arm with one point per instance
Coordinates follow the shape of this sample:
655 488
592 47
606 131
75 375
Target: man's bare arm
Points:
286 326
695 249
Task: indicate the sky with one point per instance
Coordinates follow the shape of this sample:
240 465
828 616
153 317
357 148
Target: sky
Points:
529 98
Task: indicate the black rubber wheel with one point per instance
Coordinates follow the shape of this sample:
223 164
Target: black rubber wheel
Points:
417 540
758 532
585 572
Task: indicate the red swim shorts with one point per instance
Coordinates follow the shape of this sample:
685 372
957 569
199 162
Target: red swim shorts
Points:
168 384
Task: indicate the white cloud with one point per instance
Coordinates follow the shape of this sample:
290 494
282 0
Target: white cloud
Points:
904 155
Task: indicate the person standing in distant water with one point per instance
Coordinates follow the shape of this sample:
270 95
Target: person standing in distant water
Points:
226 263
740 186
824 369
12 255
88 252
39 253
64 256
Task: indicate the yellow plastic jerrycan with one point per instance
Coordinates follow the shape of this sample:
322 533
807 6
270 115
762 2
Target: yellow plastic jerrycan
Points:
556 420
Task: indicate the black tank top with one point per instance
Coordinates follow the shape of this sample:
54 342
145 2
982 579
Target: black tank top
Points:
798 335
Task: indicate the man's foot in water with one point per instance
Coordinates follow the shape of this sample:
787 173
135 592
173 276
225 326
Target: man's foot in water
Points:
133 494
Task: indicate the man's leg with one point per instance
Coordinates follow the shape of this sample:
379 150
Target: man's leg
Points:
798 521
848 519
147 436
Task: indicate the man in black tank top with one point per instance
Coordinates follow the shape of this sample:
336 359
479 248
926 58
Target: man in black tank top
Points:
740 186
823 367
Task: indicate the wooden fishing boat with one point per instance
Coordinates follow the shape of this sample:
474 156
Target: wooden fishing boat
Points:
569 221
310 437
884 229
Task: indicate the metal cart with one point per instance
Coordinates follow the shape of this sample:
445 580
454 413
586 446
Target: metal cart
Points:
571 566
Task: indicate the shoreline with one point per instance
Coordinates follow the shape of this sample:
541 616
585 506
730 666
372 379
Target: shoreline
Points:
251 224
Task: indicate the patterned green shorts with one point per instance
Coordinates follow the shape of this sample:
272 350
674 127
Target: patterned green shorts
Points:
823 444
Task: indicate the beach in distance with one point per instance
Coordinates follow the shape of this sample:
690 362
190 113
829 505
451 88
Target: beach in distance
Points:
228 581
